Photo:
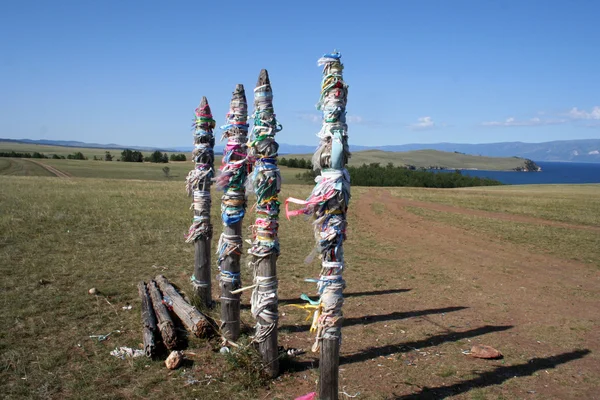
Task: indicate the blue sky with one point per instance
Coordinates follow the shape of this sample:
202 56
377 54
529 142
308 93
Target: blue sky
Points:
132 72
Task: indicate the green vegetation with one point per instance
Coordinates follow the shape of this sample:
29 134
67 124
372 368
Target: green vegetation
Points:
376 175
430 159
178 157
128 155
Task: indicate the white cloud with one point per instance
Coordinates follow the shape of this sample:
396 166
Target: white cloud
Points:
423 124
318 119
575 113
314 118
354 119
526 122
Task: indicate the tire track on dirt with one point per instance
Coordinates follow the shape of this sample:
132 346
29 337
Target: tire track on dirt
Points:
500 268
55 171
387 196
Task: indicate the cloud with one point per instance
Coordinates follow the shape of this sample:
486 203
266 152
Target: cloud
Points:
526 122
355 119
310 117
423 123
318 119
575 113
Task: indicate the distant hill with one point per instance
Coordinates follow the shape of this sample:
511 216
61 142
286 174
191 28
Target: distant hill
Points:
585 150
430 158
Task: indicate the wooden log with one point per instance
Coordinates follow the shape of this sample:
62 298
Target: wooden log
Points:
265 245
268 348
203 158
329 367
202 272
230 303
193 320
232 181
330 159
165 323
148 320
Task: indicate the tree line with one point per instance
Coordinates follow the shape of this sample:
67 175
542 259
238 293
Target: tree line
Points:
375 175
295 162
157 156
74 156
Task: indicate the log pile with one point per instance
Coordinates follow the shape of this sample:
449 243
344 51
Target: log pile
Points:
162 306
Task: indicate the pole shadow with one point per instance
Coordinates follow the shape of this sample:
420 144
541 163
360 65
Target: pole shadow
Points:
374 352
496 377
298 300
435 340
371 319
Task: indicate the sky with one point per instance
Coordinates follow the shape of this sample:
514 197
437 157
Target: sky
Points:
132 72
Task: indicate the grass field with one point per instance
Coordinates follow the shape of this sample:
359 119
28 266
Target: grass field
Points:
116 169
418 158
89 152
21 167
424 284
427 158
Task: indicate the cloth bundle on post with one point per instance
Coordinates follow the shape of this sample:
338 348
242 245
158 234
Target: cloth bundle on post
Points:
266 183
232 180
328 203
197 184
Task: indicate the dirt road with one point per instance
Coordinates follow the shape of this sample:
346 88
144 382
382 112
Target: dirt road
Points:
424 292
55 171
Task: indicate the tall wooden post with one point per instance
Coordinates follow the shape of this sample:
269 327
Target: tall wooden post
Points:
331 159
232 180
265 245
198 184
328 203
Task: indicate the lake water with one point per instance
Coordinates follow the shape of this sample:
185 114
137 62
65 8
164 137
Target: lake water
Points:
552 172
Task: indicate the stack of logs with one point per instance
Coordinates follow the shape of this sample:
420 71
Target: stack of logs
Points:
157 318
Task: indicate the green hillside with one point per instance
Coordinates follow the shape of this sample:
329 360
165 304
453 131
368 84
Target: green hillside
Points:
429 158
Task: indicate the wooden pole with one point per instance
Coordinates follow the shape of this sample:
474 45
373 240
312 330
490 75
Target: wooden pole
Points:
165 323
198 184
265 246
232 181
193 320
328 203
148 320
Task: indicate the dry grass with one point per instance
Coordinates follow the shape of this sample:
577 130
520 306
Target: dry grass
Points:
60 237
579 204
21 167
571 244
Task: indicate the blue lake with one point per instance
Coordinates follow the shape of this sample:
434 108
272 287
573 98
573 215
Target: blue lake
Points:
552 172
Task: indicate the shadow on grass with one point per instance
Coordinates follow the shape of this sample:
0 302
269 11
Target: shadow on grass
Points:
283 302
374 352
497 376
370 319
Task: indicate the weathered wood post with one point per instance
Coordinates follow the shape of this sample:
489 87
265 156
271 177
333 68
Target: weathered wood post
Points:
148 320
328 202
232 181
266 181
197 185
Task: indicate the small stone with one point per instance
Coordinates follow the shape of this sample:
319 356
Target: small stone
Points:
174 360
93 291
482 351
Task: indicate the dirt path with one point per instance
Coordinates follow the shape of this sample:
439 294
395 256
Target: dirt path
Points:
421 292
480 213
55 171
